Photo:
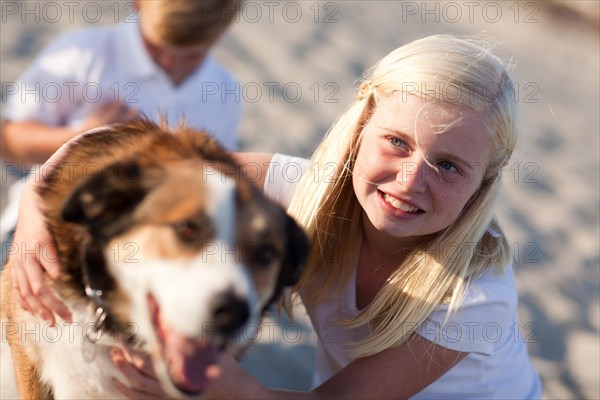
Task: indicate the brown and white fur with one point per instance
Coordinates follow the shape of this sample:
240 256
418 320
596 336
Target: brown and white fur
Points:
183 253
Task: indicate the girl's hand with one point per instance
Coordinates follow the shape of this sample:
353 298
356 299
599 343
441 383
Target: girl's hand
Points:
33 257
139 372
232 383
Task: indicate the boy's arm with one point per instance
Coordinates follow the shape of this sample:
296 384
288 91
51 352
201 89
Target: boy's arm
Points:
34 142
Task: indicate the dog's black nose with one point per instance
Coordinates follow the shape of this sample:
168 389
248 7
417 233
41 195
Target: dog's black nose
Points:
230 314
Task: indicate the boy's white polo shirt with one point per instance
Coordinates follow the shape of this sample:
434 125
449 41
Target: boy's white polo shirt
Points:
84 68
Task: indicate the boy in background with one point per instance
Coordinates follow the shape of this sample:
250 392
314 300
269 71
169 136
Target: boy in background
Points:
156 64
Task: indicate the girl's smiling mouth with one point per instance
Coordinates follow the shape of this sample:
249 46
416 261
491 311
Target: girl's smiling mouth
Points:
399 205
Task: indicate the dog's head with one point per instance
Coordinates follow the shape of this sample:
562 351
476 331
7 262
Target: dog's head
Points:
191 254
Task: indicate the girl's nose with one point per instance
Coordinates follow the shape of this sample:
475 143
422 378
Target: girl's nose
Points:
411 175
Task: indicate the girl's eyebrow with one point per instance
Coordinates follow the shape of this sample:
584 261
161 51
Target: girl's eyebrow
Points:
404 135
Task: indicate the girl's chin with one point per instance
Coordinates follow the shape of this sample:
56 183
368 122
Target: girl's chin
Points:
388 229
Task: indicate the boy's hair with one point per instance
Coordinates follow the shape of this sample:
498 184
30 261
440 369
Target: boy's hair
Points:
444 70
190 22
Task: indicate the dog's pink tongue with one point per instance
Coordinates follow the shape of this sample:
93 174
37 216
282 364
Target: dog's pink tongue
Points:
192 365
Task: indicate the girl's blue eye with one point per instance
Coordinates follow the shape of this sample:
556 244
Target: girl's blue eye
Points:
399 143
448 166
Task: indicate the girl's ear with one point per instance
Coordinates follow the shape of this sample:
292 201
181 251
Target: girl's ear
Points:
103 200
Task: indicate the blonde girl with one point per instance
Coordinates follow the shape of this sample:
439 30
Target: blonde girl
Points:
409 284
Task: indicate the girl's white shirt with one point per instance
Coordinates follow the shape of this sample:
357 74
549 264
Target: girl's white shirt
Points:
486 325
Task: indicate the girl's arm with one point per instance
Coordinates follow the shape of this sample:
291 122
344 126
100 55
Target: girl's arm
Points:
396 373
255 166
33 253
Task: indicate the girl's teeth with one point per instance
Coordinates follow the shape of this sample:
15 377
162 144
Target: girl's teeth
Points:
399 205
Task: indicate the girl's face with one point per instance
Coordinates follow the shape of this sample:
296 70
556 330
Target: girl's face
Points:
407 190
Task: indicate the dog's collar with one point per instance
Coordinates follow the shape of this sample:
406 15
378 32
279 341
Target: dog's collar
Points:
94 294
92 259
101 313
100 318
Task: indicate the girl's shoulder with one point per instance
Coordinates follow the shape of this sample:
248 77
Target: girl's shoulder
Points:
486 315
495 285
282 177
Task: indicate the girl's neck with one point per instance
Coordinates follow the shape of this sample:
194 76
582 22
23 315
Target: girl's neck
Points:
379 256
381 248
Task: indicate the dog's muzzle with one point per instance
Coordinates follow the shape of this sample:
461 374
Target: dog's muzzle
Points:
192 362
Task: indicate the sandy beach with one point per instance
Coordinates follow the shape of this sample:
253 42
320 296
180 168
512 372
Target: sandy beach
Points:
297 63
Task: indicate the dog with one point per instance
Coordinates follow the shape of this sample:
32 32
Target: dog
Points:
164 245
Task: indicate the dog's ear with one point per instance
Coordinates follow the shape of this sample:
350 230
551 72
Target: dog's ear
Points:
297 249
103 199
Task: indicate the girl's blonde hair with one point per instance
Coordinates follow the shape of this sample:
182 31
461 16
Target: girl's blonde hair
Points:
444 70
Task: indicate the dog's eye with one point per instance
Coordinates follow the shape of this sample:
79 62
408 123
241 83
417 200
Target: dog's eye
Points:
187 231
264 254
